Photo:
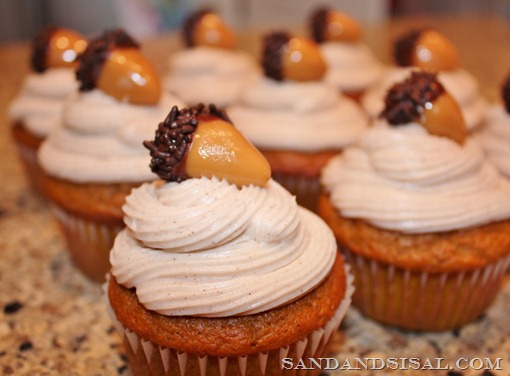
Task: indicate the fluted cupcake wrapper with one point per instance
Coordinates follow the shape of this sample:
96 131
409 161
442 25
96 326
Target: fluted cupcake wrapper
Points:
422 300
88 242
146 357
306 189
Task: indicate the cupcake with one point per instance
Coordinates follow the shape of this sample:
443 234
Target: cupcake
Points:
352 67
37 108
210 62
219 271
494 136
293 117
420 214
428 49
93 158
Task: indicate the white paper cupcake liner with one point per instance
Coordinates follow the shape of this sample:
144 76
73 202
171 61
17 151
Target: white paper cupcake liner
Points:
155 357
305 189
421 300
88 242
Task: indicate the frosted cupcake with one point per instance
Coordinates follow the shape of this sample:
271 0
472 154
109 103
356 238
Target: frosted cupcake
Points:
93 159
218 270
427 49
495 133
352 67
294 118
37 108
210 68
419 212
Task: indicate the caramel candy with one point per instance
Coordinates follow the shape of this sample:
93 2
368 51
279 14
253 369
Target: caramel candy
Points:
302 60
219 150
212 32
64 47
201 142
342 28
128 75
443 117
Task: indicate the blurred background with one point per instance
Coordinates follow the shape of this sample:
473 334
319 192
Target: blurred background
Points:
21 19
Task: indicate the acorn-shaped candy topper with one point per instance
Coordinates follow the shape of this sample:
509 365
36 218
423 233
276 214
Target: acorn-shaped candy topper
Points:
202 142
206 28
328 25
426 49
422 99
505 93
291 58
114 63
56 47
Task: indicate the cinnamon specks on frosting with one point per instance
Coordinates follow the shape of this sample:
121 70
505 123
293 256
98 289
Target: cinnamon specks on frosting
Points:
405 101
273 45
96 54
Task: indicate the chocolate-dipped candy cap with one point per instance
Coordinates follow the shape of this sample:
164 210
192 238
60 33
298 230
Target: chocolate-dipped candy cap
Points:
206 28
290 58
426 49
331 25
202 142
114 63
56 47
505 93
422 99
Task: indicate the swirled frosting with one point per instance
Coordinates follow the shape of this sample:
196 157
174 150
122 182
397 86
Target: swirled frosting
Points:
304 116
495 137
40 103
210 75
100 139
206 248
351 66
461 85
404 179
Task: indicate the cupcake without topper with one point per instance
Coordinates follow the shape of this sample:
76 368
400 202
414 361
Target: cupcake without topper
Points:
114 63
201 142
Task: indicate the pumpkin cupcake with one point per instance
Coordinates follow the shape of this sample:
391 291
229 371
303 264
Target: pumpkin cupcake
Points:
93 159
218 270
419 212
210 67
352 67
494 136
430 50
293 117
37 108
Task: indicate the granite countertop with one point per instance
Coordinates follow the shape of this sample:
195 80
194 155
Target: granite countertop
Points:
52 320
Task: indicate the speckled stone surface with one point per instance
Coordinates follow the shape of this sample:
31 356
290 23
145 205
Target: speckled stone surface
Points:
52 320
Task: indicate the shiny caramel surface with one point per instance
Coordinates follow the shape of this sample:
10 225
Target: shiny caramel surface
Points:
64 48
211 31
435 52
342 28
443 117
302 60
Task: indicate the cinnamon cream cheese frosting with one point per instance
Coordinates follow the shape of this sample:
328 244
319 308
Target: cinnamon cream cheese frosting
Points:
100 139
303 116
495 137
220 250
40 103
405 179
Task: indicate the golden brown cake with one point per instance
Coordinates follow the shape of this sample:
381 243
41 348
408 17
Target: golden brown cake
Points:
219 271
419 213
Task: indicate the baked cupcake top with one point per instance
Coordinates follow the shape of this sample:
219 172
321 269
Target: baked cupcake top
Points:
99 139
352 67
430 50
210 61
51 80
291 107
495 134
215 245
415 171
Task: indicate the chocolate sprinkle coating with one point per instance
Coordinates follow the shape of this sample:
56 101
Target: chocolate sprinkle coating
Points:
405 101
505 93
174 137
96 53
272 48
189 26
404 48
318 22
40 46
